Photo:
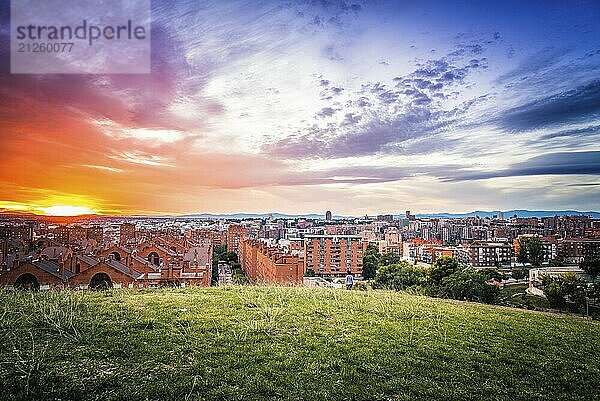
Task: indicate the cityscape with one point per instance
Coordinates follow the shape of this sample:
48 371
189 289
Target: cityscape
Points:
367 200
152 252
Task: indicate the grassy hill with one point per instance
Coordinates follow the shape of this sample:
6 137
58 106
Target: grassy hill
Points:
288 343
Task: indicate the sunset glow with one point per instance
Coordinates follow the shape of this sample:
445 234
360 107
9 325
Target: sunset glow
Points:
302 107
65 210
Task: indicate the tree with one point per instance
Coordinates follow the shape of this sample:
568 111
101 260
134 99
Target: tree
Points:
388 259
522 255
369 266
398 277
493 274
535 251
220 254
441 268
569 285
555 295
594 291
591 267
575 289
370 262
469 284
530 251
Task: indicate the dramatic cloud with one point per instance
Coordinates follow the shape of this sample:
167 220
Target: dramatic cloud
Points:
577 105
305 105
563 163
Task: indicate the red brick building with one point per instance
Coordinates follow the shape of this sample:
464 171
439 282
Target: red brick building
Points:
270 265
36 275
235 235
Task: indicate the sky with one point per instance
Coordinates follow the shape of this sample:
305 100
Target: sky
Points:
358 107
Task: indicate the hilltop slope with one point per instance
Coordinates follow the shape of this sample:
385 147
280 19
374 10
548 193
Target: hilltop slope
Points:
288 343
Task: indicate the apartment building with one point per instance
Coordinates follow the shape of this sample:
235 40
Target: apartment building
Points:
235 235
487 254
265 264
574 250
333 255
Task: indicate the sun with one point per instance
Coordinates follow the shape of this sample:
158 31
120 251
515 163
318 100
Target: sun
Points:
66 210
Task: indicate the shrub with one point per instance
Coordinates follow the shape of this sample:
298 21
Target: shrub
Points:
470 285
398 277
441 268
360 286
555 294
519 273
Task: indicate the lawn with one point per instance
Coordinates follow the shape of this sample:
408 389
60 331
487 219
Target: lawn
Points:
288 343
515 295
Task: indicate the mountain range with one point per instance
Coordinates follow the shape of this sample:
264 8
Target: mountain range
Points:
240 216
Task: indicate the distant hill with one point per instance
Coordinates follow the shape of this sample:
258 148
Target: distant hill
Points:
16 215
510 213
480 213
257 216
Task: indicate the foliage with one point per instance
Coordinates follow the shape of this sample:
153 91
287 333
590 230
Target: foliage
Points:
470 285
594 291
591 266
398 277
440 269
388 259
360 286
555 294
238 275
309 273
567 286
522 255
494 274
519 273
219 249
220 254
530 251
369 266
373 260
370 261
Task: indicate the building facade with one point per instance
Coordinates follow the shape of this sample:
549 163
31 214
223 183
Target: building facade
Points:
333 255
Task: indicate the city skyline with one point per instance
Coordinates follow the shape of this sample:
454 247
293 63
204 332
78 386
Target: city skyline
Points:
302 107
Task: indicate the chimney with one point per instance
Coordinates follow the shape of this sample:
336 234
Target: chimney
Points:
15 263
111 257
131 268
61 267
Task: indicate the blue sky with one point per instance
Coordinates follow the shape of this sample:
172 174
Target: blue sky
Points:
356 107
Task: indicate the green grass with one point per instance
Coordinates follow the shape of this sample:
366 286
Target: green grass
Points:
515 296
288 343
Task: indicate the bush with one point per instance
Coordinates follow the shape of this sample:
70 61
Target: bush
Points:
493 274
440 269
360 286
519 273
398 277
555 295
558 289
470 285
